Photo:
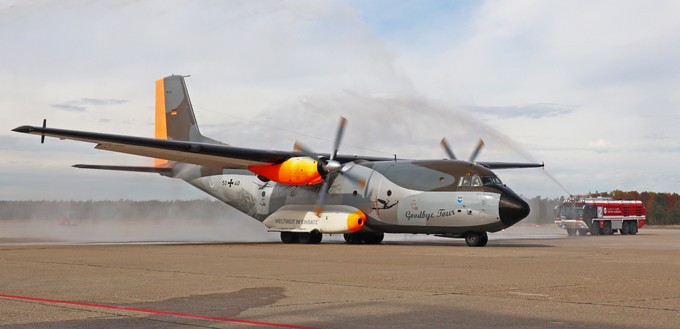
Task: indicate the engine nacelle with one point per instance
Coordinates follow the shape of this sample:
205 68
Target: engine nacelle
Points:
335 219
294 171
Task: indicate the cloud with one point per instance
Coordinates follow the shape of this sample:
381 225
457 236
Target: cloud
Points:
403 80
80 104
71 107
533 111
98 102
379 125
600 145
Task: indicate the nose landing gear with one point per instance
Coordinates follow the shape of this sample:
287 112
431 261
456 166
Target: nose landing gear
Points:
476 239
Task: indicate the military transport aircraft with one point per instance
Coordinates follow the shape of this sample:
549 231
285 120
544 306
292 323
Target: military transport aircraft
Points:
303 194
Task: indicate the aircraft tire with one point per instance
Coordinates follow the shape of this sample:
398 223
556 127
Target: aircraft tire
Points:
625 228
354 238
288 237
571 232
316 237
349 237
476 239
304 237
485 240
376 238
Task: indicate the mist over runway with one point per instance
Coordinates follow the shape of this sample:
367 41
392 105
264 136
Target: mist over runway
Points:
212 230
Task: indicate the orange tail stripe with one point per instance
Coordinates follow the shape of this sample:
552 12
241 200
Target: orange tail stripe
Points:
161 124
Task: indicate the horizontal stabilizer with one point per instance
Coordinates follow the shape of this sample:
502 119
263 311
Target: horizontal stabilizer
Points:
158 170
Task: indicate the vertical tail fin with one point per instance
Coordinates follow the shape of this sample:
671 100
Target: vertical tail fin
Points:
174 114
175 119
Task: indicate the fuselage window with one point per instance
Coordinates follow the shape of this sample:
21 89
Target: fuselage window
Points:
491 180
476 181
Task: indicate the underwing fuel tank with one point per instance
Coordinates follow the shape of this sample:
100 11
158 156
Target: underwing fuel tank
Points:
335 219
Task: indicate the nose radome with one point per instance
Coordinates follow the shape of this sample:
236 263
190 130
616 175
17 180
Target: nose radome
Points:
512 209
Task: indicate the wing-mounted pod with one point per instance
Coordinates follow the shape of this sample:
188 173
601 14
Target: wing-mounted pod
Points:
334 219
294 171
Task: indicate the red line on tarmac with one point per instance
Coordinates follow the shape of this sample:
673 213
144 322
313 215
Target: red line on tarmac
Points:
157 312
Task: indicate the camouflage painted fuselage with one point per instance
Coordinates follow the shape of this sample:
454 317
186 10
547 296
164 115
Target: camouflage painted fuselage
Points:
396 196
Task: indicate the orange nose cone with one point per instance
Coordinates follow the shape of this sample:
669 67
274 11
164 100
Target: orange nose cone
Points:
356 220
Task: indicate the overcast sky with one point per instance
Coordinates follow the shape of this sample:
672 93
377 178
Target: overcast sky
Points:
591 88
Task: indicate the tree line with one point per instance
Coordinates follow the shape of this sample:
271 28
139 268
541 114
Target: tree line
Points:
661 208
112 210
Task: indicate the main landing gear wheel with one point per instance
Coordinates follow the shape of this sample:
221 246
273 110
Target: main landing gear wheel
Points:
349 237
366 238
301 237
476 239
373 238
313 237
305 237
289 237
316 237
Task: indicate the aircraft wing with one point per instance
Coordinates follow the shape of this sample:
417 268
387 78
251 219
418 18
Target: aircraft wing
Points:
205 154
509 165
157 170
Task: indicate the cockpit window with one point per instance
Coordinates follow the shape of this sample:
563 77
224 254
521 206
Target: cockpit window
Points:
470 181
491 180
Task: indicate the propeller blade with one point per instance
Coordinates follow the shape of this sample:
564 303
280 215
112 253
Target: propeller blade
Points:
320 201
447 148
338 137
301 149
354 179
479 147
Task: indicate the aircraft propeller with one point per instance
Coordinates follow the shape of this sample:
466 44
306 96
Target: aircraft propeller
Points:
447 148
328 165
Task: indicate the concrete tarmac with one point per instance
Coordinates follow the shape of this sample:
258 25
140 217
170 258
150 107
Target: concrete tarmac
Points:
580 282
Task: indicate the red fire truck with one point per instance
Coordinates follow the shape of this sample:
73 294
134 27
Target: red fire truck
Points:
600 216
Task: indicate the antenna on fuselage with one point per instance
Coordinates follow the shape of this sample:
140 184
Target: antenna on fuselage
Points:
42 135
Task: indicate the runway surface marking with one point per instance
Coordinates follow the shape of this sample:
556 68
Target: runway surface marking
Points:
156 312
